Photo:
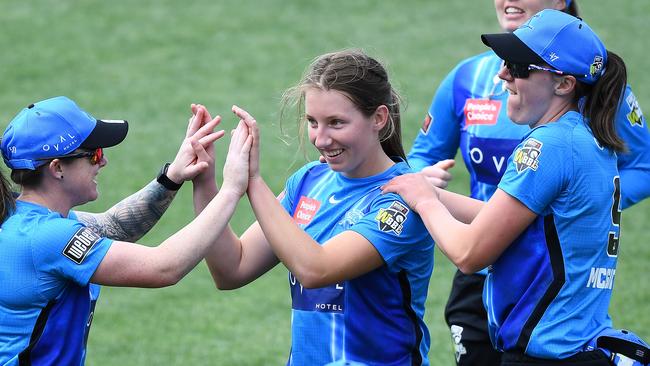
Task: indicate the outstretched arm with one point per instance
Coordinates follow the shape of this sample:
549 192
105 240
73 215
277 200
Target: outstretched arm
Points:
233 261
128 264
132 217
135 215
478 240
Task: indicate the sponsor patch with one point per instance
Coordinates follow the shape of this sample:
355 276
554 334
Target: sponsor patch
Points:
392 218
426 124
481 111
596 66
306 210
527 156
80 244
635 117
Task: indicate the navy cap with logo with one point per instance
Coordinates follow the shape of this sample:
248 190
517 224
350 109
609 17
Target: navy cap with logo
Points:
54 128
558 39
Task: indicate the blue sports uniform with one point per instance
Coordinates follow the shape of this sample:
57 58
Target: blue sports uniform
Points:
468 112
561 270
376 318
46 302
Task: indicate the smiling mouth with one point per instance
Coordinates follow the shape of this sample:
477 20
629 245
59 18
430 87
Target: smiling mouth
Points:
512 10
332 153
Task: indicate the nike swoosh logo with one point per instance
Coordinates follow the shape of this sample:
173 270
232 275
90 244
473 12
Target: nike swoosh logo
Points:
334 201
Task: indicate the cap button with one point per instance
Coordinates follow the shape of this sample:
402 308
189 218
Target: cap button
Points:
30 106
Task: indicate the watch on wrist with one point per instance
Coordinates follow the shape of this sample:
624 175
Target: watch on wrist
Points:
164 180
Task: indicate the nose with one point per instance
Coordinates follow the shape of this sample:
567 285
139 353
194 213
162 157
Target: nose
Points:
320 137
504 74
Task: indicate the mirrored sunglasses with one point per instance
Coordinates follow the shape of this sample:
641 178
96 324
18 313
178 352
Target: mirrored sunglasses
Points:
95 156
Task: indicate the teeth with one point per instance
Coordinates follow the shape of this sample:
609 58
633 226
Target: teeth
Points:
513 10
333 153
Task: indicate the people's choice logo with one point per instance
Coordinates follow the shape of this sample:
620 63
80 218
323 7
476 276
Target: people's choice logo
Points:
306 210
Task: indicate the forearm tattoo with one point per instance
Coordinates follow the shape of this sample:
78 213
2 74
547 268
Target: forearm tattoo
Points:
132 217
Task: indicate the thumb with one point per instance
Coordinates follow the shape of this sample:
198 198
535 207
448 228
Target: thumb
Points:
445 164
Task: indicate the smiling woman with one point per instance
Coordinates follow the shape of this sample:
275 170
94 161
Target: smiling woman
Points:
359 261
51 262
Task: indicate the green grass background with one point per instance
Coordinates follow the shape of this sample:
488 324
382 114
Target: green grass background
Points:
146 61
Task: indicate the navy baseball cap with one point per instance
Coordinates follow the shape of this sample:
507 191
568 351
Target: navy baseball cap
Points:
54 128
554 37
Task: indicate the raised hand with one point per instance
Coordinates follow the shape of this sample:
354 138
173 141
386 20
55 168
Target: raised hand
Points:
254 131
438 174
236 167
414 188
196 153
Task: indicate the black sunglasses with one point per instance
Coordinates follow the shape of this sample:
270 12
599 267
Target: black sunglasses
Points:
522 71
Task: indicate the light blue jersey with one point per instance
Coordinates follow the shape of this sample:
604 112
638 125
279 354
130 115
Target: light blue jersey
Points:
469 112
548 293
46 302
377 318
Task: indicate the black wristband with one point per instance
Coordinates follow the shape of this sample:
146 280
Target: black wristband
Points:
164 180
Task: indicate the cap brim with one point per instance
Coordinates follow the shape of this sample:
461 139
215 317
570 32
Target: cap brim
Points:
510 48
106 133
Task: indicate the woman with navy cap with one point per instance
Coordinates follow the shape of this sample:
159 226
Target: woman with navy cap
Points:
468 112
51 263
550 231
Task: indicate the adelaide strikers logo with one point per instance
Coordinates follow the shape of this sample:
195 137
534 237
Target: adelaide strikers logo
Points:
596 66
527 156
392 218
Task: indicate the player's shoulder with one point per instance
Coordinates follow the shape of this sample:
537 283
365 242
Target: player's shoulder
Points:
483 60
312 169
569 124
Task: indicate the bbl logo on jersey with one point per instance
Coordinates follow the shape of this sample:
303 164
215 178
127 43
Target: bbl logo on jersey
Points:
392 218
80 244
635 117
527 156
596 66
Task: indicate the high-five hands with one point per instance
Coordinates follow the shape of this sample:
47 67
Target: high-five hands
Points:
253 130
196 153
236 167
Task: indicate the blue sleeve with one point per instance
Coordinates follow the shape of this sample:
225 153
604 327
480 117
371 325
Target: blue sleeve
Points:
633 166
66 248
538 170
439 136
393 229
288 199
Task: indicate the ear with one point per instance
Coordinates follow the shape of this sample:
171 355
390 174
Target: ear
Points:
54 169
559 5
380 117
566 85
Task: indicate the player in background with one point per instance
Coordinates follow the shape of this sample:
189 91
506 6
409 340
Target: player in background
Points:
52 263
359 261
550 231
468 112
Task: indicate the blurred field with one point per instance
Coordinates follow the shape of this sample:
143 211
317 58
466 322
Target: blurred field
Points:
146 61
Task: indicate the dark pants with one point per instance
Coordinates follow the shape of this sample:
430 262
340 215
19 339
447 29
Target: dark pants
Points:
467 320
